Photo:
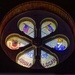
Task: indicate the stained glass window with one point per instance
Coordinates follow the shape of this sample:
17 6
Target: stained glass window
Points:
14 41
48 26
58 43
26 25
25 59
48 60
37 39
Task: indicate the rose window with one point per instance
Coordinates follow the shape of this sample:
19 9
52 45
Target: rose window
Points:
37 37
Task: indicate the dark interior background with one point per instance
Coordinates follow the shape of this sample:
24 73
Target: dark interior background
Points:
8 66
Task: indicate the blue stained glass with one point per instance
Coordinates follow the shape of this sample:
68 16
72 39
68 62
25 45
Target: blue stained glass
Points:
44 55
30 54
50 28
14 42
60 48
26 28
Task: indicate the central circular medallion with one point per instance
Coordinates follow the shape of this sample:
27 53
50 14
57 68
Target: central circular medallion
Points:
37 42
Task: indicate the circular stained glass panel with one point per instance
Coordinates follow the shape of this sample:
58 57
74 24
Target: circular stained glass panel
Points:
37 37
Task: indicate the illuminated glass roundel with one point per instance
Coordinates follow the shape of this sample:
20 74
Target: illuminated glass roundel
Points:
21 41
37 38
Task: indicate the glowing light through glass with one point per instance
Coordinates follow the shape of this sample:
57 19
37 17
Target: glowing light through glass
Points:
47 60
14 42
59 44
48 26
25 59
26 25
